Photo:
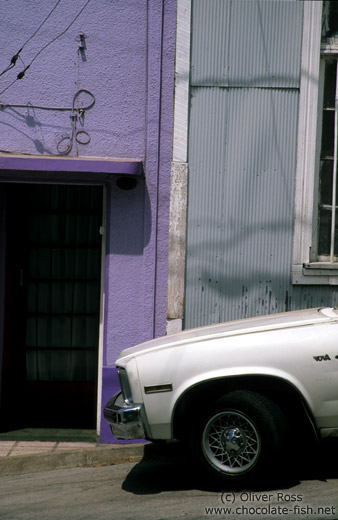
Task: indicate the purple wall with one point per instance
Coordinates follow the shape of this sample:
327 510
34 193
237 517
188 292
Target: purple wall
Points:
128 67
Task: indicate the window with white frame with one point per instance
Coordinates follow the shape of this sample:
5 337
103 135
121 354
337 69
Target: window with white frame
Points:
327 242
315 254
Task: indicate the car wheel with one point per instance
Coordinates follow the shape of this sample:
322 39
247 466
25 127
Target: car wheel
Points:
242 437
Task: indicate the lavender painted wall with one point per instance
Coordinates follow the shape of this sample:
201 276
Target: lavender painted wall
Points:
127 65
113 67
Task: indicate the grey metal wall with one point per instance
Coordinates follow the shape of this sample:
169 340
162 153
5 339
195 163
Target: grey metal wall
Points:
246 42
245 73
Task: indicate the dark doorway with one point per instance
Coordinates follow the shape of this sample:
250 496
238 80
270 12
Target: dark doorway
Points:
52 305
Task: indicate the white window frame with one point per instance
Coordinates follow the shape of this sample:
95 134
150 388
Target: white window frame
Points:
305 268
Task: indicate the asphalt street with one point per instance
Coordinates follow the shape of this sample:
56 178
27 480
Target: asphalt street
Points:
163 486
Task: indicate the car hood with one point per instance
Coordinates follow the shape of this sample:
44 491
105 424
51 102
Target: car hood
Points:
245 326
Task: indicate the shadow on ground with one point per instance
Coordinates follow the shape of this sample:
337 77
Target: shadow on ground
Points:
168 467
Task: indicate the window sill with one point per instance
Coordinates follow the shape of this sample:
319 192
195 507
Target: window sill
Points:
316 273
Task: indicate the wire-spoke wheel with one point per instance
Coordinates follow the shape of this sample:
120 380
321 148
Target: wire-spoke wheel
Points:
242 437
231 442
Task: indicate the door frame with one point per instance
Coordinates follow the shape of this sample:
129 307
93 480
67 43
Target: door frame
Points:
77 170
102 309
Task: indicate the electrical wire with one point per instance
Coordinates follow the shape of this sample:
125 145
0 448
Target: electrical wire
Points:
78 136
17 55
23 72
70 108
54 39
65 144
38 29
10 66
9 86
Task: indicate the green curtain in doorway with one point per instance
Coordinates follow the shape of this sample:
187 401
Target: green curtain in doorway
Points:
63 282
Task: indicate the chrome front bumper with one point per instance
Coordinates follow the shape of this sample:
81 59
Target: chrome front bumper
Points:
125 419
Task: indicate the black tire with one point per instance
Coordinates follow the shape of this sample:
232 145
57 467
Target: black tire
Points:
242 439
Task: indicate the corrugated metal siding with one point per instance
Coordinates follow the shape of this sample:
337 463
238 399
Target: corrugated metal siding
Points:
242 155
246 43
242 161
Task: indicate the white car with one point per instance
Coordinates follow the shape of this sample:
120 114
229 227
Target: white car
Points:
244 393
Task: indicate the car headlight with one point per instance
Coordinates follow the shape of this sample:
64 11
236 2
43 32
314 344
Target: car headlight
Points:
125 386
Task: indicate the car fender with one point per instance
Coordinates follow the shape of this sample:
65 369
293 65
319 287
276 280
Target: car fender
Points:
160 407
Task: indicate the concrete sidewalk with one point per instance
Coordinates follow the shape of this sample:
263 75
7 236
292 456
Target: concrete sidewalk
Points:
18 457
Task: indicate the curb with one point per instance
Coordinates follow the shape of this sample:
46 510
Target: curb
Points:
99 456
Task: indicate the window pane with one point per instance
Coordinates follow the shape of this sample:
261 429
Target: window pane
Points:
326 173
330 18
327 154
327 134
324 237
330 83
